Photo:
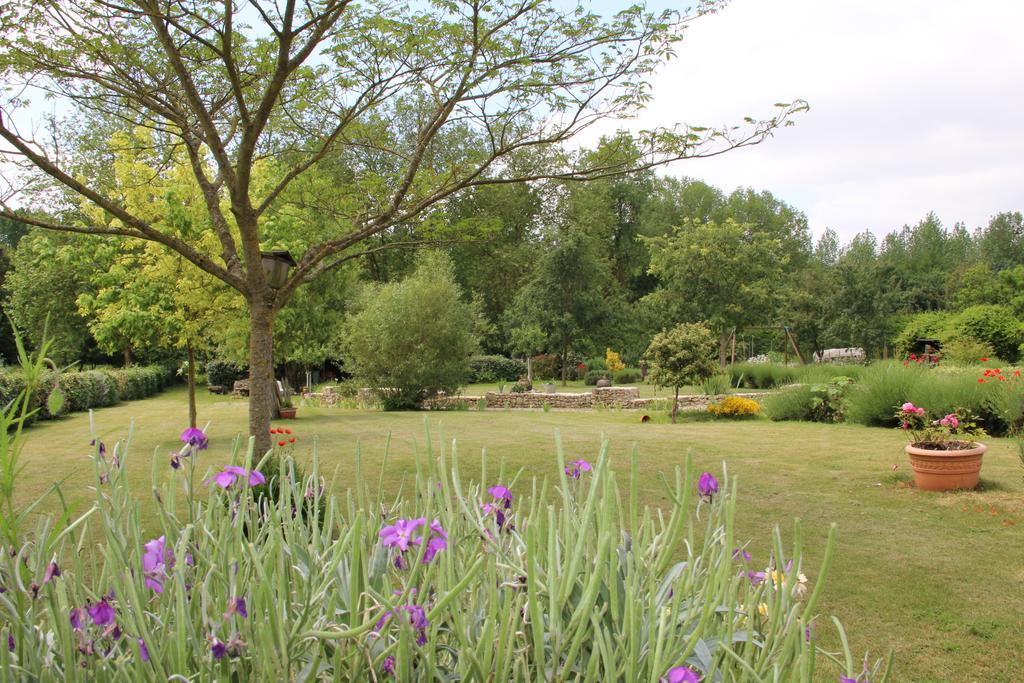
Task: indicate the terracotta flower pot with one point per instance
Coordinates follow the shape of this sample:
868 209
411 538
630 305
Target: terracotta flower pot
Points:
288 413
946 470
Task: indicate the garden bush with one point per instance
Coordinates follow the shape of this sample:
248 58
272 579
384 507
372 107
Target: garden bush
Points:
966 351
500 579
592 376
887 385
715 385
761 375
490 369
991 324
627 376
791 403
735 407
411 340
224 373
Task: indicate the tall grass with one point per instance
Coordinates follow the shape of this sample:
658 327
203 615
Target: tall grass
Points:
883 387
771 375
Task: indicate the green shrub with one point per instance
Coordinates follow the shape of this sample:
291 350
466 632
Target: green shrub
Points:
224 373
491 369
627 376
828 399
592 376
791 403
762 375
966 351
413 339
885 386
596 363
715 385
992 324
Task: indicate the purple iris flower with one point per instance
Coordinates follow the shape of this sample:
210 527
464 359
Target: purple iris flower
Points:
52 571
707 486
741 553
103 448
417 619
847 679
501 493
156 561
175 461
389 665
217 649
438 541
502 502
102 614
143 650
195 438
399 534
10 642
77 616
237 606
577 467
227 477
681 674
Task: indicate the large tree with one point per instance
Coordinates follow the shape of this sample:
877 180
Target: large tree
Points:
233 86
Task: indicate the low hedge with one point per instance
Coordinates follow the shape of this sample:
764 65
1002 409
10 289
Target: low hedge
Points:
87 389
490 369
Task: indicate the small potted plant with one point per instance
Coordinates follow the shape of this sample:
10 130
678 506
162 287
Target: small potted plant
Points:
287 409
944 453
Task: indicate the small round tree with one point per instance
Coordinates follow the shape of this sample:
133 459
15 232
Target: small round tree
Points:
412 340
680 356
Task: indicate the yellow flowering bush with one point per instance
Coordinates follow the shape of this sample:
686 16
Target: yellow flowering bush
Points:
614 361
735 406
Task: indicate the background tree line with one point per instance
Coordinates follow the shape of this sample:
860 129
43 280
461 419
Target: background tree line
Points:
565 268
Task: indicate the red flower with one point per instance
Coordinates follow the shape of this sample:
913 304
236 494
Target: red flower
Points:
913 356
1016 373
287 431
280 443
291 440
981 380
984 360
1002 379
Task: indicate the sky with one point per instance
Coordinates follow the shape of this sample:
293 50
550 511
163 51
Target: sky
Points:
916 106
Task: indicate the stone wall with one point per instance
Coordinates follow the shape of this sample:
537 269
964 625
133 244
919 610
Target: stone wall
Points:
602 397
536 399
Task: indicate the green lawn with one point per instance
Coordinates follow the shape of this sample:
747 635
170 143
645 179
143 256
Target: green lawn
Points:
937 577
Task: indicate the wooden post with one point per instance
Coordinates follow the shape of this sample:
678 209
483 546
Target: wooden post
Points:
733 361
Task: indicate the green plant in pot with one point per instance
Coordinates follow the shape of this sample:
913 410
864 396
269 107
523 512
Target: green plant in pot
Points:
944 453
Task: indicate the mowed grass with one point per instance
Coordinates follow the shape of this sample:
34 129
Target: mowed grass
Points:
939 578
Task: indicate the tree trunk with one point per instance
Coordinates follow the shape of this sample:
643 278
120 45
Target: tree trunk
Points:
723 349
261 374
675 406
565 367
127 356
191 386
529 369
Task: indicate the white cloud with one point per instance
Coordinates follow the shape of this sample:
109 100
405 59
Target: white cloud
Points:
914 106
